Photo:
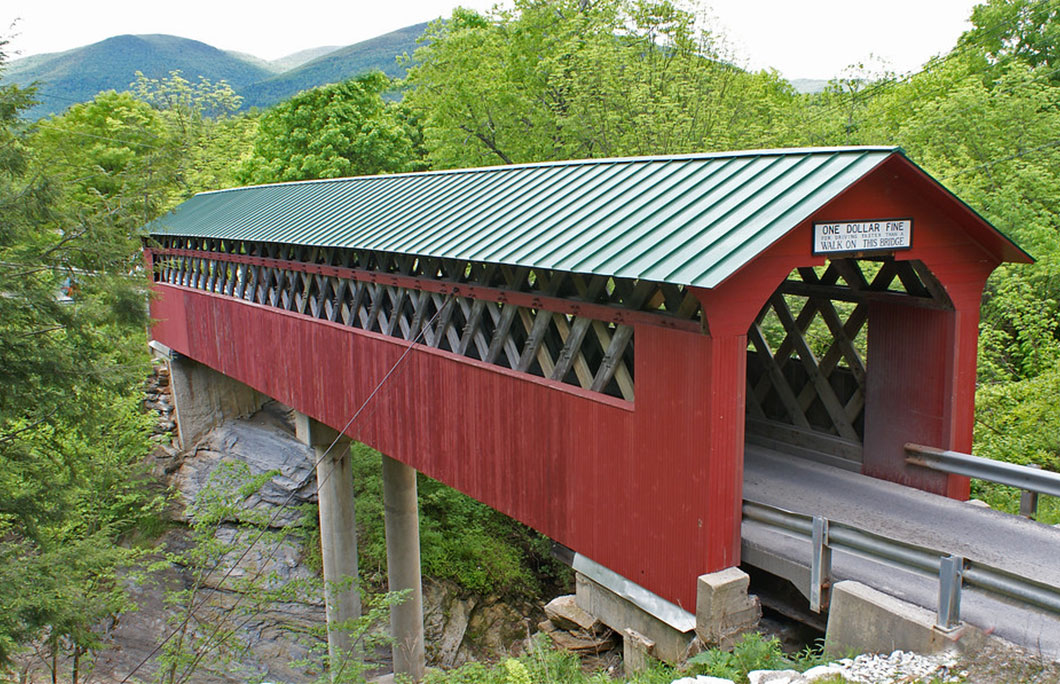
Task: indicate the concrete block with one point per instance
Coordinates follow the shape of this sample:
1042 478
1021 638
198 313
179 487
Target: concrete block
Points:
636 650
204 398
865 620
724 610
619 614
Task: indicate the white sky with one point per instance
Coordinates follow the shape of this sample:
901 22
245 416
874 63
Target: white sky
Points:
800 38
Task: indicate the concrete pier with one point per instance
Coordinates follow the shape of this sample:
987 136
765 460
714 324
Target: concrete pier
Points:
203 397
403 566
338 530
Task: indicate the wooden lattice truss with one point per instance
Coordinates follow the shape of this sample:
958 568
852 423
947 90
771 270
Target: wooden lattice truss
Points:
573 328
806 360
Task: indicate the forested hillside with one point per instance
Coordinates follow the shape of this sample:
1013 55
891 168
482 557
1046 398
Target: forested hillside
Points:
76 75
376 54
533 82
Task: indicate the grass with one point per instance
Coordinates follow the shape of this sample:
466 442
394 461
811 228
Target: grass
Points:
543 664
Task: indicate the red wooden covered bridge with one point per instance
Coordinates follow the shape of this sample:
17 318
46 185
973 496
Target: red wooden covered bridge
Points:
593 342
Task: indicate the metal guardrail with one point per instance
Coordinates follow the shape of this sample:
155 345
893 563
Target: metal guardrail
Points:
953 571
1031 479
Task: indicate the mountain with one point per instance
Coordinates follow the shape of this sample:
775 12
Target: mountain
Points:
77 75
297 59
255 60
380 53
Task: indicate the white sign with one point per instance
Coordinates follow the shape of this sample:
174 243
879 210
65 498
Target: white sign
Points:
862 236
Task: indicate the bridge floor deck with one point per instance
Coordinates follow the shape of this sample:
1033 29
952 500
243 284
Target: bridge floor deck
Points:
1003 541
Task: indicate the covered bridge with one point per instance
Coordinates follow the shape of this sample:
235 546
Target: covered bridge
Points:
594 341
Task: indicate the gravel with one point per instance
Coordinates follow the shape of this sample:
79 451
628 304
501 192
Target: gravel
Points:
900 666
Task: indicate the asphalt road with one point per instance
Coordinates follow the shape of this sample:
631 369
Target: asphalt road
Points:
1003 541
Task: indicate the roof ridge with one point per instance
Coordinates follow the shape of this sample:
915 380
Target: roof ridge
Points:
691 156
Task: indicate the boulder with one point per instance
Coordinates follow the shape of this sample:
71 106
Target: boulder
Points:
566 614
263 446
775 677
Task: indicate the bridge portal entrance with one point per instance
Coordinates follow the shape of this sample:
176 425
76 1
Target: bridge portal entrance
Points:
808 374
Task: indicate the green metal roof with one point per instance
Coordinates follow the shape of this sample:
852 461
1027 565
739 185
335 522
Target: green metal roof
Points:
690 220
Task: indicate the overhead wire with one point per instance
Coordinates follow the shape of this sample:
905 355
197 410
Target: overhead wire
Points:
290 497
957 51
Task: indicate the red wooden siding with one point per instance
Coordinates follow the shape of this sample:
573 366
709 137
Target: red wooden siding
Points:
595 473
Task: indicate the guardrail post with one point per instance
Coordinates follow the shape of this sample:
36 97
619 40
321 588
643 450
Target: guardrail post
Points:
820 566
1029 499
950 571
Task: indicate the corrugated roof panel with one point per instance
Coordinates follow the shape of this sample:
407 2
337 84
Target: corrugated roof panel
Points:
639 220
707 219
690 219
563 217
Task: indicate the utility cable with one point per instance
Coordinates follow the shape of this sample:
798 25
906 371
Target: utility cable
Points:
290 497
958 50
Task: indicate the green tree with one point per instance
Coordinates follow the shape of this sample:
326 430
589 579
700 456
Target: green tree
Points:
1007 31
72 358
344 129
207 139
571 79
116 162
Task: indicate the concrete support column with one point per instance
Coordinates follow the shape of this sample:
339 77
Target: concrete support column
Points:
338 531
204 397
403 566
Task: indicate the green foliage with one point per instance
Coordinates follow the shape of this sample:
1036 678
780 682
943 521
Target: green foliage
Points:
751 652
572 79
517 672
76 488
344 129
461 540
1016 421
1007 31
205 141
544 664
72 358
111 152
